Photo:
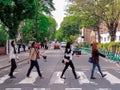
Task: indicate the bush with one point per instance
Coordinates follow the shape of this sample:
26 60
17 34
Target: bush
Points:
3 37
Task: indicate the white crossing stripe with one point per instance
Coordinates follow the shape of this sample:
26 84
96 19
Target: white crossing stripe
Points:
13 89
56 78
4 78
73 88
83 79
31 79
111 78
41 88
104 89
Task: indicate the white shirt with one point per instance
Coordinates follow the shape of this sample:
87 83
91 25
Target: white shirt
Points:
12 55
69 55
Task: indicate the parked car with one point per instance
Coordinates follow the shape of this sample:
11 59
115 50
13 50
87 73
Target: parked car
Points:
56 45
63 44
77 50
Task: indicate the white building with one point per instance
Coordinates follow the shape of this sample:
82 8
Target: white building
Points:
105 37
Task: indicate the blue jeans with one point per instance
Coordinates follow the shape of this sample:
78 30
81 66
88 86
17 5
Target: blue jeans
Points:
93 69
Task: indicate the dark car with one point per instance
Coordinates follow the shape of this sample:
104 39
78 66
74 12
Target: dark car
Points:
77 50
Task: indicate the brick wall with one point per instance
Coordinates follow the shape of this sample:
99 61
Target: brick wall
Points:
2 51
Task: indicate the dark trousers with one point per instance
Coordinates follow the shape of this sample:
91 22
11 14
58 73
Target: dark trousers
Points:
13 67
66 66
34 63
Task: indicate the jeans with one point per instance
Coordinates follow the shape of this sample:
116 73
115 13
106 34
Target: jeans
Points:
13 67
34 63
93 69
72 66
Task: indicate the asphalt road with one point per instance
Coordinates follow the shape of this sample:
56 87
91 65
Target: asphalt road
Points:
52 69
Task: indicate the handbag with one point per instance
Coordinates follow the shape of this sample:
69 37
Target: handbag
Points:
44 57
90 60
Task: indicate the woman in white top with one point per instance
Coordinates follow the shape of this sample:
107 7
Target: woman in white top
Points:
68 60
13 57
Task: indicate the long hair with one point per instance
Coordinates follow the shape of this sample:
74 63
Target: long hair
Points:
94 46
33 45
13 46
68 46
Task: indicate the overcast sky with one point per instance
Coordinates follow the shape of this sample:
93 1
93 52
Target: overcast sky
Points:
59 13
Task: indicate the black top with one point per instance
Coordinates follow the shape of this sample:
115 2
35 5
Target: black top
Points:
95 56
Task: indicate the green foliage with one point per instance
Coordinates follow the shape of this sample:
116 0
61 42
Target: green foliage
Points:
99 11
85 44
59 35
12 12
3 35
51 29
46 28
70 26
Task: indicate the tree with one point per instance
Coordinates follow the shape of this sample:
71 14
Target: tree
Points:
46 28
3 35
70 26
51 28
13 12
103 10
42 7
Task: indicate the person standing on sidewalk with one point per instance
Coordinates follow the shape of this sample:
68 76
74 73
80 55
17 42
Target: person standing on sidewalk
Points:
33 56
13 56
95 57
68 60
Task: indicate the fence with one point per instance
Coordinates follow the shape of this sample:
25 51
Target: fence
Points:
115 56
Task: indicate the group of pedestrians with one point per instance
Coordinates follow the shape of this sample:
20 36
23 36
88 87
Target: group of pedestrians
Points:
34 55
68 60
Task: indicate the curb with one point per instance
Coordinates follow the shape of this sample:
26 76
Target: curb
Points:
10 65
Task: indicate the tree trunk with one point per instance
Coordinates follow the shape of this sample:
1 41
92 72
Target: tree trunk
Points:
112 30
98 31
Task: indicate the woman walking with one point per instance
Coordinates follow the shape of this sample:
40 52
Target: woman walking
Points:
68 60
33 56
13 56
95 57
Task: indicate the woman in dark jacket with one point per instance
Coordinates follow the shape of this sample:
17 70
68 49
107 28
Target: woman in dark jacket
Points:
95 57
68 61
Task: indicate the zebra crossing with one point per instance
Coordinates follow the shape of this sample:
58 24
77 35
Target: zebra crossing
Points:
55 79
51 89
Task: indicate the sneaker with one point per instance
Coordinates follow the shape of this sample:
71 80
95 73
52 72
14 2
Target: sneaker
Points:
41 77
77 77
28 77
92 78
63 77
12 77
104 75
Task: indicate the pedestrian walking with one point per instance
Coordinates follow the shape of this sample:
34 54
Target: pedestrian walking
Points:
95 57
33 56
13 56
68 60
24 47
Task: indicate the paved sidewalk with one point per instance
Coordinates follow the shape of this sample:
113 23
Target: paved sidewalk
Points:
4 59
